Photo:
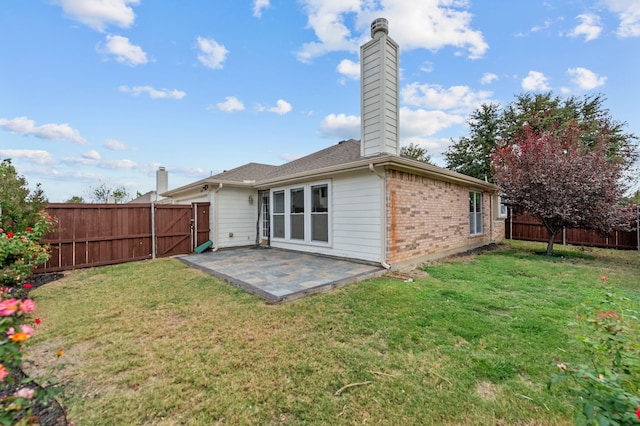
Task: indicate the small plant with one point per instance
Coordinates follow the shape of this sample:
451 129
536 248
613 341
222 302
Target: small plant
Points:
608 385
20 254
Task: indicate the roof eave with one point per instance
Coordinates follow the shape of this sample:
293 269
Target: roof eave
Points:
392 161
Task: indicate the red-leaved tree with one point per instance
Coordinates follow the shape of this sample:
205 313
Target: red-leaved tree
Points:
562 182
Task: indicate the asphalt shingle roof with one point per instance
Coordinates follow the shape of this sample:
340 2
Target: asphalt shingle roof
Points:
342 153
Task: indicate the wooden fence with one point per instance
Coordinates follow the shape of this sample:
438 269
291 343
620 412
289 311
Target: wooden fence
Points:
89 235
526 227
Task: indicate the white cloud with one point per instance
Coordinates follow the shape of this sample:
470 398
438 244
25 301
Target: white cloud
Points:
116 145
282 107
91 155
32 155
586 79
230 104
124 51
153 93
55 132
629 13
456 98
97 14
428 25
488 78
258 5
421 122
535 81
349 68
590 27
326 18
92 158
340 126
212 54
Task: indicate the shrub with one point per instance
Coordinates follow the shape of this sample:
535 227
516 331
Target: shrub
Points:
607 387
21 251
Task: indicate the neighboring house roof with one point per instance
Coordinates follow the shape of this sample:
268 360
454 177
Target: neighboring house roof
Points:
342 157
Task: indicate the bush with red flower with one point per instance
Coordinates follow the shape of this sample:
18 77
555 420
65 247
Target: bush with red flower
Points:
20 254
22 251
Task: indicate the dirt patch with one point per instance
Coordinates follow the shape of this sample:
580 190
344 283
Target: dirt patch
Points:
486 390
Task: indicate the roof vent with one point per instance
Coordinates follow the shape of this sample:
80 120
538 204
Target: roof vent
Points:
380 25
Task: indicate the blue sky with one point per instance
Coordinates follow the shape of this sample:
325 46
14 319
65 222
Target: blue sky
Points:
106 91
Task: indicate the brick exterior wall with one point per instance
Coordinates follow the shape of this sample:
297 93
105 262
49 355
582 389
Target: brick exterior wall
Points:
428 218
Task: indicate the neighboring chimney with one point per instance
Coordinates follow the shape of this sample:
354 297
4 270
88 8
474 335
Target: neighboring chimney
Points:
379 93
162 180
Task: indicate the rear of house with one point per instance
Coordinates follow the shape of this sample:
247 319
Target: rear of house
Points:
357 199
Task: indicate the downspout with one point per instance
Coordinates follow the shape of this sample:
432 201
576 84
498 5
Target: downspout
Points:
215 217
491 212
383 209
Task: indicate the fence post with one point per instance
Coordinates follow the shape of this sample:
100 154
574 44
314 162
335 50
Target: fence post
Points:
153 230
510 223
564 235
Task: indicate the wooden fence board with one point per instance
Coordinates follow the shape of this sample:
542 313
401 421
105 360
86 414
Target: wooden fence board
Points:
527 227
102 234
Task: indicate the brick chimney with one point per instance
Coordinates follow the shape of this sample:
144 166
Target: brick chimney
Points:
379 92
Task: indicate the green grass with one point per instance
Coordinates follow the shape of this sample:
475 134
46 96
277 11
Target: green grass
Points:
474 343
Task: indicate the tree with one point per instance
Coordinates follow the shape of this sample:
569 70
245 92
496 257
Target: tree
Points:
562 182
490 126
20 206
76 199
472 156
416 152
103 193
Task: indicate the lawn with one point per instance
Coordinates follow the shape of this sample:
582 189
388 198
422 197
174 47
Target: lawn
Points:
472 342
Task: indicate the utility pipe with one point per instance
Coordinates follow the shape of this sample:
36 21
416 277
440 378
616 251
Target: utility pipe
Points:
383 218
215 217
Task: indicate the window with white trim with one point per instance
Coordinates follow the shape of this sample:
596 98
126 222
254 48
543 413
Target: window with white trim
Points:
502 208
301 213
475 212
278 214
296 215
320 213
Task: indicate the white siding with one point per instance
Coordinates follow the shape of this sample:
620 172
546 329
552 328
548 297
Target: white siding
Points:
356 219
235 217
379 103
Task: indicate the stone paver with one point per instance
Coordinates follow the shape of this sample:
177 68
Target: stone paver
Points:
281 275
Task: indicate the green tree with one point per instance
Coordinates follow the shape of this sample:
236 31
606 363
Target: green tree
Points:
20 206
76 199
544 113
103 193
472 155
416 152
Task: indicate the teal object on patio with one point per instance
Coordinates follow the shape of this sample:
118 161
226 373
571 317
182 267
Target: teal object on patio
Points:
204 246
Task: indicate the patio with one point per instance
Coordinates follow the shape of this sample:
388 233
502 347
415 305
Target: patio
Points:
281 275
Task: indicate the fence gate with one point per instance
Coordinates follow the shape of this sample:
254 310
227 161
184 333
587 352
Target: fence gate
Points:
89 235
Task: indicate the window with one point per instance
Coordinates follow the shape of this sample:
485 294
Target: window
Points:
301 213
297 214
320 213
265 214
502 208
278 214
475 212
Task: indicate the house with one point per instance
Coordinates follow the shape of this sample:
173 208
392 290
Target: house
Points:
162 185
357 199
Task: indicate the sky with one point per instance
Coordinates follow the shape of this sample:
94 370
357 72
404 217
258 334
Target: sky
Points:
103 92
